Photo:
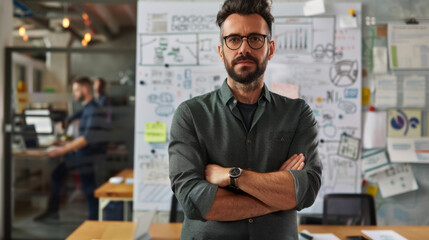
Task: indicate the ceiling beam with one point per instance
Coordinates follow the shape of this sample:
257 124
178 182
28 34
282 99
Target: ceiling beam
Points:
109 20
132 15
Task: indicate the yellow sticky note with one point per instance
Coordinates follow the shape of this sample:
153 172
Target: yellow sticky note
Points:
372 190
366 96
155 132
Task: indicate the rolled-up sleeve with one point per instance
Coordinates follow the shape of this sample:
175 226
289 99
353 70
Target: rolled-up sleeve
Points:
308 180
187 163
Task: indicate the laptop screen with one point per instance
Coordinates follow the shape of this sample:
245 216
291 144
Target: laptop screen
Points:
41 119
30 138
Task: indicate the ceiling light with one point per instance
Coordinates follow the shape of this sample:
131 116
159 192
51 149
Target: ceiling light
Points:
66 22
87 37
86 19
84 43
21 31
25 37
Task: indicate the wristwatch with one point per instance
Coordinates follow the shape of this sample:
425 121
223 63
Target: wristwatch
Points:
234 173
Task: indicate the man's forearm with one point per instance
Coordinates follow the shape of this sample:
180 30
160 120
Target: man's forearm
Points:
275 189
76 144
229 206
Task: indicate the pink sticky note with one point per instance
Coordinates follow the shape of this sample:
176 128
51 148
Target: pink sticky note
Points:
285 89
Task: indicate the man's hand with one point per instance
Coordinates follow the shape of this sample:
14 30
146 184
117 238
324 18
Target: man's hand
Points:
217 175
296 162
57 152
59 127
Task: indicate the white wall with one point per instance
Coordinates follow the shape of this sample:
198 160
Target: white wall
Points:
5 40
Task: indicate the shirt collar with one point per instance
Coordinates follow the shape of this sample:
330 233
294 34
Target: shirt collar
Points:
226 93
90 103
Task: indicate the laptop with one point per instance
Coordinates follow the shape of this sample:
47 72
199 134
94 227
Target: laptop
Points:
30 136
143 223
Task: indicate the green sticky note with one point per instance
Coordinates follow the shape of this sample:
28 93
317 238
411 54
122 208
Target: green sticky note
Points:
394 53
155 132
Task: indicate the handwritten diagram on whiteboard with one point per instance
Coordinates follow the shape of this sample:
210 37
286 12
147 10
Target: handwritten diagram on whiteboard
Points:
177 59
326 68
304 40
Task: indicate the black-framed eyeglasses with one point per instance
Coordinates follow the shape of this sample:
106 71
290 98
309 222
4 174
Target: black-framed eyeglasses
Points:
255 41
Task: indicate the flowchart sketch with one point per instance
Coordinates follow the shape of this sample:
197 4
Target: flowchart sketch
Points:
152 187
160 90
167 49
208 49
205 80
154 167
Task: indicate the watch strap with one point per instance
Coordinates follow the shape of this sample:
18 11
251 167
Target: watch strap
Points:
232 182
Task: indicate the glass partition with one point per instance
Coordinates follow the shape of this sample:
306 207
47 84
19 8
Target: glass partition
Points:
48 197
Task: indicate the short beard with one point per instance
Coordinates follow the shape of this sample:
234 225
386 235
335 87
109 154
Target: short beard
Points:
81 99
250 77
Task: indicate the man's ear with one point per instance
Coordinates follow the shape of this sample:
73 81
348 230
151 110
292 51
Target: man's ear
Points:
220 51
272 49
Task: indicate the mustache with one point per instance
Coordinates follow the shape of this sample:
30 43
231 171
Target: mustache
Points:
244 58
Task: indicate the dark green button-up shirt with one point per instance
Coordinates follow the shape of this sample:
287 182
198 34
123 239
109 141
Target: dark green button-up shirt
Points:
209 129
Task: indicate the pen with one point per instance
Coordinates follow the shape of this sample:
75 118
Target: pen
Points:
306 236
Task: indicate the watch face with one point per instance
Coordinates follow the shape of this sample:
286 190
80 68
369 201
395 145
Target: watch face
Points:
235 172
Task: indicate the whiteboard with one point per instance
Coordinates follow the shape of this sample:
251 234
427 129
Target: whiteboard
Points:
177 59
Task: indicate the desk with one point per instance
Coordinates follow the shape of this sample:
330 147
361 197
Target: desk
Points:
409 232
171 231
115 192
30 172
35 153
109 230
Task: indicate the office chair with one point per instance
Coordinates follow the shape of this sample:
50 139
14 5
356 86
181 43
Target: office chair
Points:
349 209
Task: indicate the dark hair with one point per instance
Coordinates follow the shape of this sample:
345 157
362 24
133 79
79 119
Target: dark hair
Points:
83 81
246 7
102 84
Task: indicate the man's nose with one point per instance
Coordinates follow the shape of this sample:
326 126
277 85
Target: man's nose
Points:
245 47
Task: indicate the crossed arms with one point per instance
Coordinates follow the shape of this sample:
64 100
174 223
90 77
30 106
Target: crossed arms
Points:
264 193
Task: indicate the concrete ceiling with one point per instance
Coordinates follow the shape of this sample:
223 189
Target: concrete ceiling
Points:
108 19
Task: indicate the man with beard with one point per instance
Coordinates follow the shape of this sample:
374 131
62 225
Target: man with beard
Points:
81 153
243 160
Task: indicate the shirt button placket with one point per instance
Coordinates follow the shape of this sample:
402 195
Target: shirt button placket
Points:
250 220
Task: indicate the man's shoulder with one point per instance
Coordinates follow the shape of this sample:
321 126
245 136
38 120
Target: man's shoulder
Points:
280 99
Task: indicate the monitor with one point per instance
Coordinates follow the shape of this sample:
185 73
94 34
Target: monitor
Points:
41 119
30 136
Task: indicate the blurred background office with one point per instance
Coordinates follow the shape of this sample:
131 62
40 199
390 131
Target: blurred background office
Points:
49 44
45 44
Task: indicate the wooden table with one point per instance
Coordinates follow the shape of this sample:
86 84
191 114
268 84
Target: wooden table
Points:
409 232
115 192
33 153
171 231
114 230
